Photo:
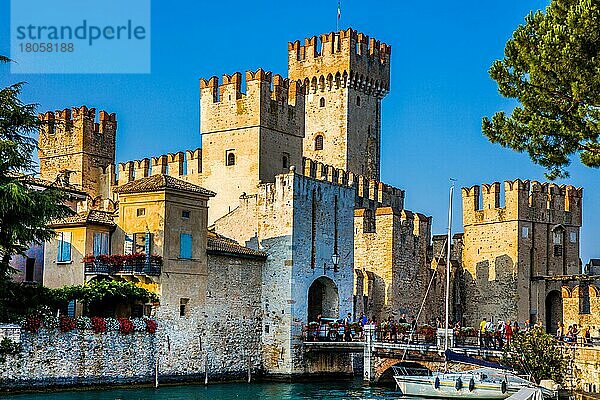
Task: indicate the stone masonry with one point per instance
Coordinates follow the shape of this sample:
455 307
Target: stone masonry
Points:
511 251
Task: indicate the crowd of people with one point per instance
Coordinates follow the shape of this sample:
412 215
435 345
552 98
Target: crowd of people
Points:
491 335
497 335
573 334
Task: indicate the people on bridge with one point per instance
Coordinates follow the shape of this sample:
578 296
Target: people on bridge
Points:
508 332
402 319
482 332
347 330
363 319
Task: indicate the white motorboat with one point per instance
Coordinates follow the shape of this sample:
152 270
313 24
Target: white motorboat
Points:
481 383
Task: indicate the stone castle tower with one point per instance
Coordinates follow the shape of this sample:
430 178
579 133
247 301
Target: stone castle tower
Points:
515 254
346 75
248 136
72 142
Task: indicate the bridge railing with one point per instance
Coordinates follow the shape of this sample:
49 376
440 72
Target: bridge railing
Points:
402 334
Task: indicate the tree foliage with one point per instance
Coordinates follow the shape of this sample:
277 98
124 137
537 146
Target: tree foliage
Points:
25 209
551 65
534 352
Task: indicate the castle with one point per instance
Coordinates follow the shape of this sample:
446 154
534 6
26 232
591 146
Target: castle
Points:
281 216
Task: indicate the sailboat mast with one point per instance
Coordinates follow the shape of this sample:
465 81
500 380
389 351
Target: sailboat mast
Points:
448 242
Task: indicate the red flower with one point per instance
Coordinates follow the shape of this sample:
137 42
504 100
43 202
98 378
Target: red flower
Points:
66 324
32 324
125 326
98 325
151 326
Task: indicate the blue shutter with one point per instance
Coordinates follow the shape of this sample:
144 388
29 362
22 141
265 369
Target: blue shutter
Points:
185 245
105 243
71 309
97 244
147 244
64 247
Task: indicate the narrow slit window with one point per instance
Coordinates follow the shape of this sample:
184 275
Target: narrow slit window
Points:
319 142
230 158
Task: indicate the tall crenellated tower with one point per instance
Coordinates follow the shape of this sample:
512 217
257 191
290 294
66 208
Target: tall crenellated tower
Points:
72 140
346 75
248 137
516 254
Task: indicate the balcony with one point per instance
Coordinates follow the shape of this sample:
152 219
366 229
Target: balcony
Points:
131 264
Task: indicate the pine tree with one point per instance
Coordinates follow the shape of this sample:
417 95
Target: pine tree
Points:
26 208
551 65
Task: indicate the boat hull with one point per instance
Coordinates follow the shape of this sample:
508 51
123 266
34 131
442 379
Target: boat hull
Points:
425 386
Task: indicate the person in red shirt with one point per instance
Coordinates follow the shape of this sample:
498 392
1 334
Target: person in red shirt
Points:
508 332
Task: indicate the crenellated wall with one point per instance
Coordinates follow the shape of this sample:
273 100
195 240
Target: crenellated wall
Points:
346 75
300 222
524 200
71 140
248 137
510 249
327 57
370 193
270 101
390 257
182 165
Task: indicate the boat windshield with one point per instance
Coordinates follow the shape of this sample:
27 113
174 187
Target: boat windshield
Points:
411 371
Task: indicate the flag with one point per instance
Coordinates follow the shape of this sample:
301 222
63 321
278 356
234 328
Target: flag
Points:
339 15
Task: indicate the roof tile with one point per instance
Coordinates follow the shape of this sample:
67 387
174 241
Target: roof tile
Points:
156 183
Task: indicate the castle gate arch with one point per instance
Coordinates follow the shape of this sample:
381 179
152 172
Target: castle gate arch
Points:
323 299
554 310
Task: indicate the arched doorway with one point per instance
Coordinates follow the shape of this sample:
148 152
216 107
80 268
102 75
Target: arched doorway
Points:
323 299
554 311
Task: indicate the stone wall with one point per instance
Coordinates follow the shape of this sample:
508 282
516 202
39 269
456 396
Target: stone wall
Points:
294 221
586 368
51 358
512 249
390 251
72 140
222 338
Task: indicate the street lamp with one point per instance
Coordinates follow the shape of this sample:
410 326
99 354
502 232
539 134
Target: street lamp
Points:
335 258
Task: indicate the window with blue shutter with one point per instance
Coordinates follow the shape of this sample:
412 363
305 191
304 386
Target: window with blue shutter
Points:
64 247
101 243
185 245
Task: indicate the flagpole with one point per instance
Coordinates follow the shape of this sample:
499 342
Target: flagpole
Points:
339 15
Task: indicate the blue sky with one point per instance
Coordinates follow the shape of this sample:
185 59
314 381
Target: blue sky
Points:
431 128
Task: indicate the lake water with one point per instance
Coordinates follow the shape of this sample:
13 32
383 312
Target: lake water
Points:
254 391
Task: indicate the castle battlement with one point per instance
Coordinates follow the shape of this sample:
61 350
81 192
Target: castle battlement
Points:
524 200
267 100
73 139
341 59
69 117
369 192
183 165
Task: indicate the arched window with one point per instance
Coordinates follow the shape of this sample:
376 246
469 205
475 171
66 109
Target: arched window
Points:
285 160
230 158
322 102
319 142
358 100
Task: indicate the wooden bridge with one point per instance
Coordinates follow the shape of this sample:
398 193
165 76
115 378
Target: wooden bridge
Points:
380 356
